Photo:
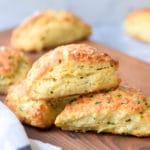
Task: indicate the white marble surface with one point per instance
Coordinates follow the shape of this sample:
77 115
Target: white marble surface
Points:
105 16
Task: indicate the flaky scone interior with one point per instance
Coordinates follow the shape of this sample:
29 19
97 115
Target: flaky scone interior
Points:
120 111
40 113
73 69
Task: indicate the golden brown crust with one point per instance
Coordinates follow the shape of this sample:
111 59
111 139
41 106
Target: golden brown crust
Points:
49 20
39 114
19 89
68 55
121 111
85 53
42 113
113 98
35 113
72 52
137 24
50 16
8 59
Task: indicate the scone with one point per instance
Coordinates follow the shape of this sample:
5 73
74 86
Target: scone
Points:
48 29
137 25
73 69
39 114
14 65
122 111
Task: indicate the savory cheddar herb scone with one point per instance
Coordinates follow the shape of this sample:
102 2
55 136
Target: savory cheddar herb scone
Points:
122 111
73 69
49 28
39 114
35 113
137 24
14 65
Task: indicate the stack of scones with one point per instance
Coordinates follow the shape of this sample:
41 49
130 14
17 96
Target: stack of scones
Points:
74 86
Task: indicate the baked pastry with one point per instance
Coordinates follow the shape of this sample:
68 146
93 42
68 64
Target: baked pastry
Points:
137 25
14 65
36 113
122 111
57 78
39 114
73 69
48 29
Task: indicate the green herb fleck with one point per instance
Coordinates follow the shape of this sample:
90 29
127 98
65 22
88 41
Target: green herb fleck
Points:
128 120
99 68
21 108
138 102
119 95
51 92
90 95
110 123
72 100
147 104
97 102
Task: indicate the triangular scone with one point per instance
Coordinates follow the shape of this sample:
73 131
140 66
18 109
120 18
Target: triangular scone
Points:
49 28
40 114
73 69
122 111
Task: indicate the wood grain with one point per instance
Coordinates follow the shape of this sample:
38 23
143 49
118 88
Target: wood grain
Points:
133 72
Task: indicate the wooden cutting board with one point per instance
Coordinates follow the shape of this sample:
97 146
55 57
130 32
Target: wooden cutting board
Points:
133 72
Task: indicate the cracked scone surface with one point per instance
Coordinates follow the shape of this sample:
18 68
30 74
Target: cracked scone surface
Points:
137 25
14 65
49 28
71 70
122 111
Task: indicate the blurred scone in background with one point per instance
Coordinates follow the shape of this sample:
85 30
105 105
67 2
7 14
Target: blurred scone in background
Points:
106 18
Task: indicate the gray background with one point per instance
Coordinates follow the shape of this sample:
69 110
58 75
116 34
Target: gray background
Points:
105 16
